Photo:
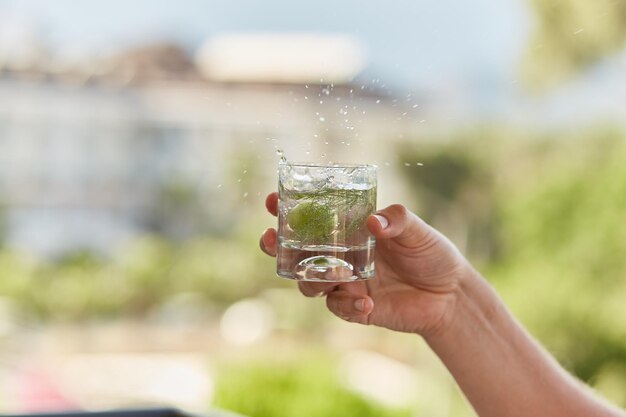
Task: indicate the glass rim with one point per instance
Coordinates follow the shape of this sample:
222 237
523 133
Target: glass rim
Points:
333 165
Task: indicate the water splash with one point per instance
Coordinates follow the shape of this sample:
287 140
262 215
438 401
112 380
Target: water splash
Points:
281 156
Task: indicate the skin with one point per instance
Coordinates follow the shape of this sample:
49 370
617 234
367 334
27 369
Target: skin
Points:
425 286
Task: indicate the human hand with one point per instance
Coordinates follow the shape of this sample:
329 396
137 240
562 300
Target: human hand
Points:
418 274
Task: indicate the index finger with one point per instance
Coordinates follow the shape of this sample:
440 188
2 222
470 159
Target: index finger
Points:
271 203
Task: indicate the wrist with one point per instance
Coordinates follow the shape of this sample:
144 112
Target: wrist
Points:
472 305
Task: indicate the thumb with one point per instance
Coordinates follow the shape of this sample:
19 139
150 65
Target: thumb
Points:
349 306
399 223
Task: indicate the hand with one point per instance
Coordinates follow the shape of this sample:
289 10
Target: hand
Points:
418 273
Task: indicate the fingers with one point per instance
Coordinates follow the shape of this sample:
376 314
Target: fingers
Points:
316 289
350 306
399 223
271 203
268 242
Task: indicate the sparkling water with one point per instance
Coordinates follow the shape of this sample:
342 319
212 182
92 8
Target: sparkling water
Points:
322 232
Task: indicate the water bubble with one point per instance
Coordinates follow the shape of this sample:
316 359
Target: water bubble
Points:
322 119
245 194
404 114
419 164
219 186
306 97
326 91
406 164
306 86
321 101
245 171
377 101
415 106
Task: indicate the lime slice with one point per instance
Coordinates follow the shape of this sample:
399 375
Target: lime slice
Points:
312 222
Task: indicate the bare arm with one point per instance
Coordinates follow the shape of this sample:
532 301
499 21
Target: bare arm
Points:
499 366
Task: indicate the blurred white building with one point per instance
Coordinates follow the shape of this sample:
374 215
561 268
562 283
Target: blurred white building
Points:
92 154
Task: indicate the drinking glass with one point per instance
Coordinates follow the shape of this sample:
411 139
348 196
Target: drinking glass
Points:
322 213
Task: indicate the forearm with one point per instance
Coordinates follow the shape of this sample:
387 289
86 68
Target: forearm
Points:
500 368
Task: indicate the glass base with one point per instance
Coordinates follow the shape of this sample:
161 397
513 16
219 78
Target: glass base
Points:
324 268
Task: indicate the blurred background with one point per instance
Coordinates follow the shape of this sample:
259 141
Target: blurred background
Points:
138 141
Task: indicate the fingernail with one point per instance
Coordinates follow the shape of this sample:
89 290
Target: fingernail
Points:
360 304
382 220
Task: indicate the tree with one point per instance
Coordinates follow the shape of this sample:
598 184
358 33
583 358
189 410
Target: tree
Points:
570 36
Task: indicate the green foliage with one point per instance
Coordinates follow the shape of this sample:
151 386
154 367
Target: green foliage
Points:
309 387
564 237
454 190
552 210
571 35
138 279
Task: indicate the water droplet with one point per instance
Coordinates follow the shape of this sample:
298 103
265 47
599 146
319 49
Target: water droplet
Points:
281 155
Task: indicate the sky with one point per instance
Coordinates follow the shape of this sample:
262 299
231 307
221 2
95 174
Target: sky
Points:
413 43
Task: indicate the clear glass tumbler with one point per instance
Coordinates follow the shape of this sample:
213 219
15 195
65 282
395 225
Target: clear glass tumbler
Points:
322 211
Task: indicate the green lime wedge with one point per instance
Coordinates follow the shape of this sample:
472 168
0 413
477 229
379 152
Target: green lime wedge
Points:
312 222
